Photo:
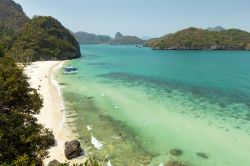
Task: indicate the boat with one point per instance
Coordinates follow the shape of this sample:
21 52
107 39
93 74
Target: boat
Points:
70 70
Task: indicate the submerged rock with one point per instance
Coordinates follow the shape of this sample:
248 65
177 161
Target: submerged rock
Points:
176 152
174 163
72 149
54 163
202 155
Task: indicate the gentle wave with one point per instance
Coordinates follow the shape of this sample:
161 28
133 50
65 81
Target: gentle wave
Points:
89 128
109 163
98 145
55 83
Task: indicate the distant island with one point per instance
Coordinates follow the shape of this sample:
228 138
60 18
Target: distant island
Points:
90 38
192 38
126 40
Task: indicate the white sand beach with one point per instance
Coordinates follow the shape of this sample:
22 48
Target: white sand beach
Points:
52 115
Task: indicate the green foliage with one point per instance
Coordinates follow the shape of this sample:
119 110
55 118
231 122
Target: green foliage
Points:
89 162
44 38
23 141
200 39
1 51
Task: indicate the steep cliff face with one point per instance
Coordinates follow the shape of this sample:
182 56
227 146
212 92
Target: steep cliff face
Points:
200 39
11 15
12 19
44 38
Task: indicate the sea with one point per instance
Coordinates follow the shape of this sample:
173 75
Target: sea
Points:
134 106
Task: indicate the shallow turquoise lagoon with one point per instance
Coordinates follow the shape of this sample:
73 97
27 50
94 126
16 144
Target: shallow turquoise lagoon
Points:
132 106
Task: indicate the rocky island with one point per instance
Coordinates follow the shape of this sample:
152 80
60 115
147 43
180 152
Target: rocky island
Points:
126 40
201 39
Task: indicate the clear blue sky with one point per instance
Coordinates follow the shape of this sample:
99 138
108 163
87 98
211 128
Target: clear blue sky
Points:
142 17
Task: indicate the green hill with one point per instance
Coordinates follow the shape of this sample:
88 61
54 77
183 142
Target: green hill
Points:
44 38
12 19
200 39
12 15
90 38
126 40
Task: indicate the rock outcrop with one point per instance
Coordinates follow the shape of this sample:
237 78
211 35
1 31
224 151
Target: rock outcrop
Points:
118 35
72 149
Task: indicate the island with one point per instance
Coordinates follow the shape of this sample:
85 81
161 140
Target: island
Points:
203 39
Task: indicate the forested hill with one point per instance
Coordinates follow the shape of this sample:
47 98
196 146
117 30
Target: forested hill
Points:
201 39
39 38
44 38
12 19
11 15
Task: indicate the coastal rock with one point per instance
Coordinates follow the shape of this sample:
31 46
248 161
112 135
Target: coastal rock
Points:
72 149
174 163
54 163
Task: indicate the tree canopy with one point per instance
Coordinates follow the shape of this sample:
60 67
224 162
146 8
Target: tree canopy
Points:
22 140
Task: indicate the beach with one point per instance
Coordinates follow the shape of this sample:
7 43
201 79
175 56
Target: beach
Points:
52 115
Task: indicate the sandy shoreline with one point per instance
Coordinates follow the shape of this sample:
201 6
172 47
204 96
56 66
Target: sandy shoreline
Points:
52 115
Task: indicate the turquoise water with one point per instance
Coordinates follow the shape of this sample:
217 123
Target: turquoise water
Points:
132 106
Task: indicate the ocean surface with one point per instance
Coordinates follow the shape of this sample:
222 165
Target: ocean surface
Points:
136 106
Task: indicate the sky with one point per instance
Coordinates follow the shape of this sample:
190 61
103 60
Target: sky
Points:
152 18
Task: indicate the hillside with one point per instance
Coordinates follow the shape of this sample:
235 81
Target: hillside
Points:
90 38
12 15
200 39
44 38
126 40
12 19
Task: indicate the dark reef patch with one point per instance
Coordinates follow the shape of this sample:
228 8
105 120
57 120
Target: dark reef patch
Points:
202 155
176 152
